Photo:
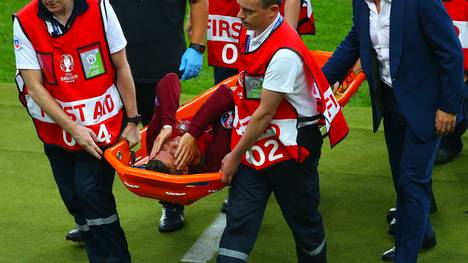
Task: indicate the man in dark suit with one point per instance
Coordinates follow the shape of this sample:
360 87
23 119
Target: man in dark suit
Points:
414 66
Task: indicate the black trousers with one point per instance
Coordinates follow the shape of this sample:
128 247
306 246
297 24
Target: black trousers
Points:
145 94
221 73
85 185
296 188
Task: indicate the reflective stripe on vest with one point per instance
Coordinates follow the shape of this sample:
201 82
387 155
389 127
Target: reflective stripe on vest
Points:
85 112
279 141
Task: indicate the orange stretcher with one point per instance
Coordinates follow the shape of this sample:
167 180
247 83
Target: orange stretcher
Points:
186 189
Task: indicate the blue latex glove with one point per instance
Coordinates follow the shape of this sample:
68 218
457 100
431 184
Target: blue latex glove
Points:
191 64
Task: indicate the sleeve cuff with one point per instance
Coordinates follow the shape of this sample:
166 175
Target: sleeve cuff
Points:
195 131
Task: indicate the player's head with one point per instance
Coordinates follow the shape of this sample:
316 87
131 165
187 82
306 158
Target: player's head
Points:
158 166
164 161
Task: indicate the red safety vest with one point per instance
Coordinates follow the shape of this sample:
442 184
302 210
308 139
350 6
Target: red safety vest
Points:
306 21
458 11
223 33
279 141
224 27
78 73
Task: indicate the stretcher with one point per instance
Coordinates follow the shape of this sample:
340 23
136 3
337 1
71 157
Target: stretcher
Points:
186 189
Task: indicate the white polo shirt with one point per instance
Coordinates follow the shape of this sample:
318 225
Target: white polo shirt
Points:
285 74
25 54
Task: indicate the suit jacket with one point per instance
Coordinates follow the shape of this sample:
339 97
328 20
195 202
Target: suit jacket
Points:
426 62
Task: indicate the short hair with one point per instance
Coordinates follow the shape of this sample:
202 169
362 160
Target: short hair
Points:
267 3
156 165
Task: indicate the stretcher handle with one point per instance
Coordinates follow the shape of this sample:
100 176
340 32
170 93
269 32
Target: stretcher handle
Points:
351 89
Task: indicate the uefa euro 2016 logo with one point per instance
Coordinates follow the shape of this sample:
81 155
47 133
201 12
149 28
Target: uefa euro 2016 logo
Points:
66 63
17 43
227 119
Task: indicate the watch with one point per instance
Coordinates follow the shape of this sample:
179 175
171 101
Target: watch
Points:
198 47
135 119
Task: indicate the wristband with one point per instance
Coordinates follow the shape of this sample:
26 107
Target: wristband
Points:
198 47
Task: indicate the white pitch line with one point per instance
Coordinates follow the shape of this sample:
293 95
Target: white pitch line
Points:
207 244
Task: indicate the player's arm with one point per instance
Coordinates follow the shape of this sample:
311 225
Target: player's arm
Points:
210 112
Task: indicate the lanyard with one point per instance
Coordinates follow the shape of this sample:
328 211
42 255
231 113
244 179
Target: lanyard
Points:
249 37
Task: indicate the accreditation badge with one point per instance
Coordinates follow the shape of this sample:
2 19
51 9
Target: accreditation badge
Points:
253 86
91 60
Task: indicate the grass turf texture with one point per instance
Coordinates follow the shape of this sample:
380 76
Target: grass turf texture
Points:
356 190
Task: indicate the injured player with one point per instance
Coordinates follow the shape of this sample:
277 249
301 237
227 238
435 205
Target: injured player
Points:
188 146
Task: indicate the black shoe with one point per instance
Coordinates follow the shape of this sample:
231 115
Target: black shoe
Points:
391 214
225 206
433 207
391 227
172 217
443 156
389 255
427 243
74 235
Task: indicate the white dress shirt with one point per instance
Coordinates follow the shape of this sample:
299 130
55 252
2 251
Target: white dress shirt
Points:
379 27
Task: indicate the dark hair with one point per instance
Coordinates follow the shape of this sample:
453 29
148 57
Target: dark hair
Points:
267 3
156 165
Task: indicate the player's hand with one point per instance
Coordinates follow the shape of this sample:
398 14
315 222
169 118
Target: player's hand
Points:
187 151
229 167
131 134
445 122
87 139
191 64
163 136
357 67
335 87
